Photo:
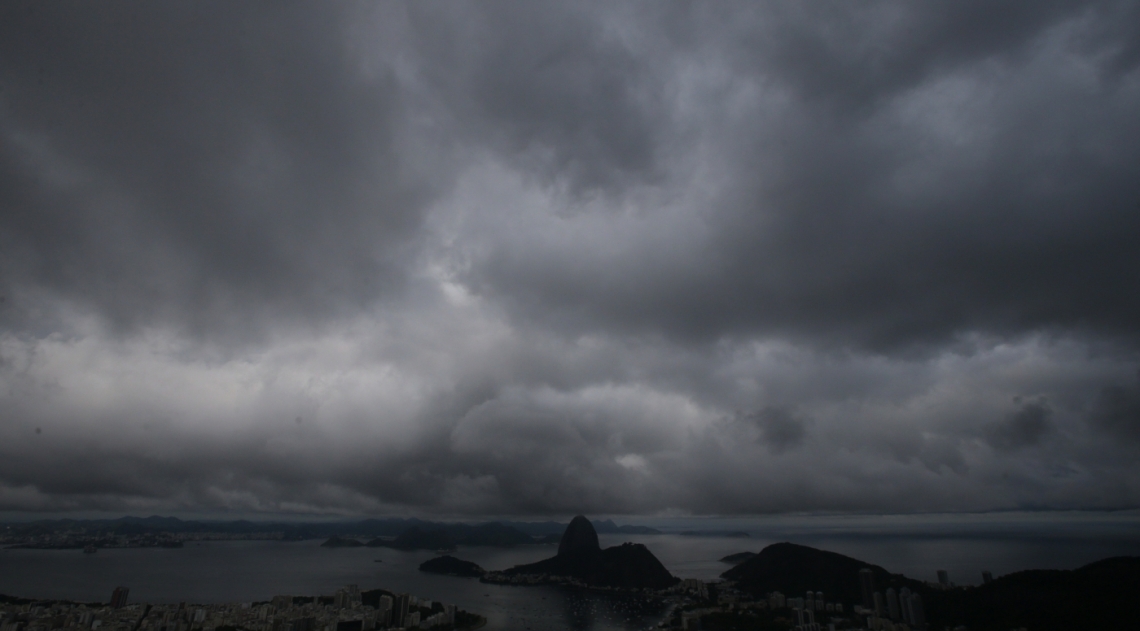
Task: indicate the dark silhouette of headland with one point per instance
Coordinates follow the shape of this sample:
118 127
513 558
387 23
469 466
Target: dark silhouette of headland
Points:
738 558
452 566
582 561
1099 595
795 569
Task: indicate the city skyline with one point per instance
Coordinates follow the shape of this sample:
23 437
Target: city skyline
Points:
490 259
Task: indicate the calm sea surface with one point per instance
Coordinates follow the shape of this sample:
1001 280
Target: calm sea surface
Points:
258 570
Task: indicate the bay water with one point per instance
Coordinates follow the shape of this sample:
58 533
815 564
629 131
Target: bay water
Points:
250 571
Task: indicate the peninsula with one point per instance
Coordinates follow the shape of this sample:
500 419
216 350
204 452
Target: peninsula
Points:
582 562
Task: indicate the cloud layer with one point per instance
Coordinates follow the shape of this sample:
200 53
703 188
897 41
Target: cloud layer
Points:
540 258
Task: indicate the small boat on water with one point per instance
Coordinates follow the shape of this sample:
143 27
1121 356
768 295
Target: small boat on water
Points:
89 549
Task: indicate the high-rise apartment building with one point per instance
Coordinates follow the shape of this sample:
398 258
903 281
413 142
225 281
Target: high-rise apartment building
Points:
384 612
892 604
867 585
400 610
915 612
904 600
119 597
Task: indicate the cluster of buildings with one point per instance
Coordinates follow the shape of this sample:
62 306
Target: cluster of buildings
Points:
69 616
889 610
813 602
348 613
344 611
892 610
693 602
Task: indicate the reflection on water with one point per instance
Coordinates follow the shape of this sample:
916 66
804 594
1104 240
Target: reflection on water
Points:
552 609
258 570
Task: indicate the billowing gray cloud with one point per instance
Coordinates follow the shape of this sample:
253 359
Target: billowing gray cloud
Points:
1023 428
1117 410
213 167
780 430
525 258
876 189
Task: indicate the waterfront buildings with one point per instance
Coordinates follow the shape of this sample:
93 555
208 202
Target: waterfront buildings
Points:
344 611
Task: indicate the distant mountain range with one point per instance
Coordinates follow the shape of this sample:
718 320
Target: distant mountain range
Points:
416 538
341 542
738 534
446 537
488 533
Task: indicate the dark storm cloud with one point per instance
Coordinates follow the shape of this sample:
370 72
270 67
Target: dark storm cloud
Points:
208 164
928 175
1023 428
546 85
1117 410
561 257
781 430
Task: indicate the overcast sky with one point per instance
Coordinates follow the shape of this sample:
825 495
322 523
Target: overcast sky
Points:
527 258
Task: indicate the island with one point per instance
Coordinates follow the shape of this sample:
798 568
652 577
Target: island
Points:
452 566
341 542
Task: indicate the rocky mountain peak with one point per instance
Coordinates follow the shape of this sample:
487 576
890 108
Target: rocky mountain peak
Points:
579 538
